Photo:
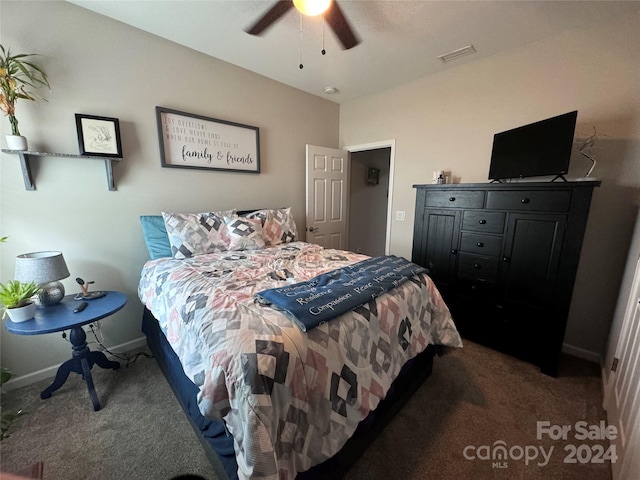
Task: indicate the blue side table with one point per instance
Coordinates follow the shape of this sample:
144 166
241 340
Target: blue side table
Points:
61 317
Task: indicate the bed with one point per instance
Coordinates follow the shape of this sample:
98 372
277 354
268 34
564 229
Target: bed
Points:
268 399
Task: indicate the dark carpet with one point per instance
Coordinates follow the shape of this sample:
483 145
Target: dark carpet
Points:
476 401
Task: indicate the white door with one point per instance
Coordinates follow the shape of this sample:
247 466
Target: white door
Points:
327 196
622 398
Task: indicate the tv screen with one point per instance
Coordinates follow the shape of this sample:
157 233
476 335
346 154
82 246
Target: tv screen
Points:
534 150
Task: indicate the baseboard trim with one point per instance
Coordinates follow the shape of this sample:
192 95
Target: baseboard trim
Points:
50 372
582 353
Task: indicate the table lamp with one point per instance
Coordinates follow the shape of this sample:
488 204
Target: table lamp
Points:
46 269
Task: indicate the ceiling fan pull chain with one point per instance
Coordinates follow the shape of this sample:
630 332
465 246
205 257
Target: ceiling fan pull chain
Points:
324 52
301 65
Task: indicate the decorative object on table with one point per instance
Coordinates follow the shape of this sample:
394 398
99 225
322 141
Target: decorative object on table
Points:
17 75
85 294
440 177
373 176
98 136
17 299
194 141
46 269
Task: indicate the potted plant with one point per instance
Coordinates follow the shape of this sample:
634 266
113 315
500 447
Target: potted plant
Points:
17 78
16 298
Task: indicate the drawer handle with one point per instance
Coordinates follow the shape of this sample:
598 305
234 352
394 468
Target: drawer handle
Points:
480 244
452 199
477 266
454 252
524 200
482 222
506 259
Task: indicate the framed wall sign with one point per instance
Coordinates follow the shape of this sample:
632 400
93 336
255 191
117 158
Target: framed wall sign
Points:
98 136
194 141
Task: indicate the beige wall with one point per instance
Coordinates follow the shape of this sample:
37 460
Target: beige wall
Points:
101 67
447 122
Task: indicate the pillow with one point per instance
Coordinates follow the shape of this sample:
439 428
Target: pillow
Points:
278 225
155 236
193 234
245 233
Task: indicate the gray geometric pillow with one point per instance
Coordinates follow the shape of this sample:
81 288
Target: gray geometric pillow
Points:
278 225
281 225
193 234
245 233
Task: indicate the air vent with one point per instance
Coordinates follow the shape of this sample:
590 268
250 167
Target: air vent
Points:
461 52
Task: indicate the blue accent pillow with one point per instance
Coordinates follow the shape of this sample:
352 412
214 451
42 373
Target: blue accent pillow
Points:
155 236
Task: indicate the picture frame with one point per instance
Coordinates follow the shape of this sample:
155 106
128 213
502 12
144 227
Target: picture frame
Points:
373 176
189 140
98 136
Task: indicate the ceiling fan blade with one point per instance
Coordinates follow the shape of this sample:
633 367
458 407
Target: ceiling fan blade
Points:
338 23
274 13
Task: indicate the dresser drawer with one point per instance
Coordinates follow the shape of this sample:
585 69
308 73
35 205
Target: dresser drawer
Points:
530 200
455 199
483 221
481 244
478 290
478 267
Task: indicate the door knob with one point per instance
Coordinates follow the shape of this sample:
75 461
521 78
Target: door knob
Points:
312 229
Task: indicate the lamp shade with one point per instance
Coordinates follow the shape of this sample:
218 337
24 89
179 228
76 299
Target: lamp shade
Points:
44 268
41 267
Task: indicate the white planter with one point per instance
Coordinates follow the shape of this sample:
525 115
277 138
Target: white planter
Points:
16 142
22 314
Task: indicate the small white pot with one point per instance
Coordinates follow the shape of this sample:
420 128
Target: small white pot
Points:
16 142
22 314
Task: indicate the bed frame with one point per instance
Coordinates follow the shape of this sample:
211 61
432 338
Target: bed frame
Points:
218 443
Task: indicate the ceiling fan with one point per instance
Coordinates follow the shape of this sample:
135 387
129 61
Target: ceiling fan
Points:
332 14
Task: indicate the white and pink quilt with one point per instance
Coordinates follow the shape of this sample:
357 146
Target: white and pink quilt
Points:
291 399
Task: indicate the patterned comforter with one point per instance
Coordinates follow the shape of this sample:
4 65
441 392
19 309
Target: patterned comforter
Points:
290 399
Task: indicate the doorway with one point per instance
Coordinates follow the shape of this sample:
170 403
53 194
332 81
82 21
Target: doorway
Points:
370 196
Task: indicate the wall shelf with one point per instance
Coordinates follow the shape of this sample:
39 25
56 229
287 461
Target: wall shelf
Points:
25 157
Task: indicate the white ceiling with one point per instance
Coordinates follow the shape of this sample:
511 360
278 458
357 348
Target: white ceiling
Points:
401 40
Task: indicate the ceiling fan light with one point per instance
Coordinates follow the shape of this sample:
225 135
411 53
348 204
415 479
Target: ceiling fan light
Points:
312 7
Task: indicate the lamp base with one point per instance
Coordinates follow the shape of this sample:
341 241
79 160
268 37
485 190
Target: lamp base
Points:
51 293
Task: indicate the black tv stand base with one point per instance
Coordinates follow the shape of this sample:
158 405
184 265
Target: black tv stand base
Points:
559 177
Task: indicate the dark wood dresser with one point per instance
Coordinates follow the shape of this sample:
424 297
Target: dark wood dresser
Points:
505 256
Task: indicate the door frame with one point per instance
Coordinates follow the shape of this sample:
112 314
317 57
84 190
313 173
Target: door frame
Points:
392 155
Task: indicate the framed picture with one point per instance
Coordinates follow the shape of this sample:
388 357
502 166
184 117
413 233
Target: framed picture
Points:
195 141
98 136
373 176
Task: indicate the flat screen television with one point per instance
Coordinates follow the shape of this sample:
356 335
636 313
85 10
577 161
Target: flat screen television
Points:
538 149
